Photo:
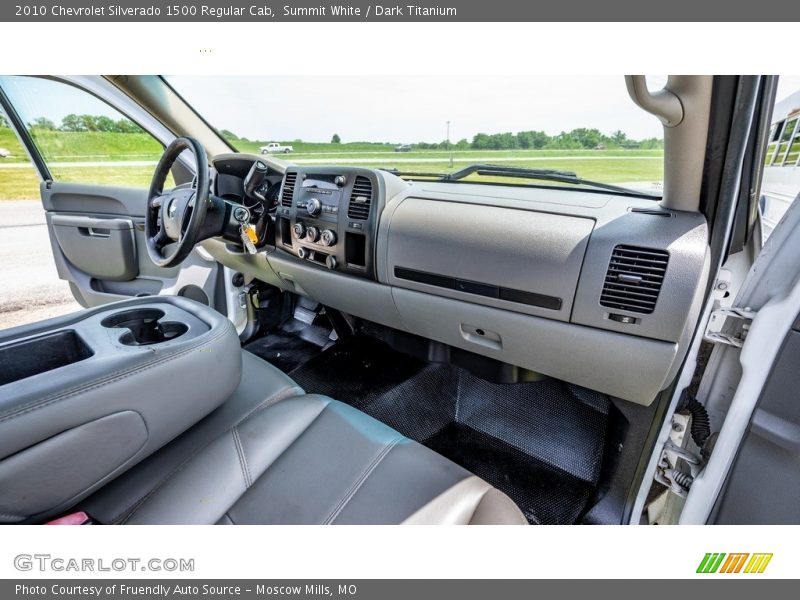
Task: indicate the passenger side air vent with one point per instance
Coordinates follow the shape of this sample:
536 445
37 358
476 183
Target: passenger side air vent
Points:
634 279
288 189
360 199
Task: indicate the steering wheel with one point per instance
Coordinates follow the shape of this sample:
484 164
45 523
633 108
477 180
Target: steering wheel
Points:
174 218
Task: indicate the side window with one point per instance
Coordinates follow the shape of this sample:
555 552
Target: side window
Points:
774 139
18 178
776 131
788 130
780 182
80 137
793 152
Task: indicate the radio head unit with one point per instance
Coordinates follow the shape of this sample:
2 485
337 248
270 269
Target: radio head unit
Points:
320 196
328 216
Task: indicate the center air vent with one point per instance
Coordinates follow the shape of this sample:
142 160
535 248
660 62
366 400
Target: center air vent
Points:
288 189
634 279
360 199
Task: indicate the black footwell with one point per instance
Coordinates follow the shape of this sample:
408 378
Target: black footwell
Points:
541 443
283 350
357 371
294 344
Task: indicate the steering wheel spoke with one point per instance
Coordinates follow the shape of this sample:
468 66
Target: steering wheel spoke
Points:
161 239
187 219
158 201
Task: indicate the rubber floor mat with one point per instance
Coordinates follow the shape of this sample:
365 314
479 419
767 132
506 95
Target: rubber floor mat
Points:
546 495
541 443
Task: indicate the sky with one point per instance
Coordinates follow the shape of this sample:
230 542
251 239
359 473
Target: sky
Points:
413 108
35 97
787 85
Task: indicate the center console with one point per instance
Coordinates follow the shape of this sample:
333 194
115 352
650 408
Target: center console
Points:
329 218
86 396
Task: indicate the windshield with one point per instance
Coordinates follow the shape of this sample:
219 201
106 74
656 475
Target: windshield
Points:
434 126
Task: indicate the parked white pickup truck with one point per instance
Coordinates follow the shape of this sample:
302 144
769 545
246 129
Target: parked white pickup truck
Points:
276 148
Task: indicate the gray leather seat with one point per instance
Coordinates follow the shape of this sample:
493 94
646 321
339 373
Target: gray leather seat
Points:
271 454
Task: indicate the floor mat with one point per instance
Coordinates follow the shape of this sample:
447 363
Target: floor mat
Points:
541 443
545 495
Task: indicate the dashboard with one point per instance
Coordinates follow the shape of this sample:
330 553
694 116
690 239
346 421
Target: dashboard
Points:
595 288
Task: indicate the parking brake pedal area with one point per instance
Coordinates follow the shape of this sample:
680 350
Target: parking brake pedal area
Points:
297 340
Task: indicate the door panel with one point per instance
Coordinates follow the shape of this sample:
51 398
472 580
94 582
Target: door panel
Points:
104 248
97 238
763 485
96 226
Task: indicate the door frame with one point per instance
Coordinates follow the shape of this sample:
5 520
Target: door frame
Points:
109 94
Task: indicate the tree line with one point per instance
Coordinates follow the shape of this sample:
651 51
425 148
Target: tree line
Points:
577 139
77 123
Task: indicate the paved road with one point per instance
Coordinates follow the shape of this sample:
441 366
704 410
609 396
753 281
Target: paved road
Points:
30 289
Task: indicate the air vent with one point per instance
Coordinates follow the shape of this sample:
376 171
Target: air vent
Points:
634 279
360 199
288 189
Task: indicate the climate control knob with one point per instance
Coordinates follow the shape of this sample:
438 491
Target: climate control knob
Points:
312 234
328 237
299 230
314 207
330 262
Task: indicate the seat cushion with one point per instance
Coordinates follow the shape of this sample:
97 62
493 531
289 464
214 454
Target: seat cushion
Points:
261 384
271 456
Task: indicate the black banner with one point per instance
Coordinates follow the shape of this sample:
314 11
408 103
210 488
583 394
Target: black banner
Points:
415 11
371 589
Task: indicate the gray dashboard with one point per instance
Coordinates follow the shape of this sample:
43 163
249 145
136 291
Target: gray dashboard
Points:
597 289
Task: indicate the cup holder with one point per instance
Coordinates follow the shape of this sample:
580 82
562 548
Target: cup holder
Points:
144 326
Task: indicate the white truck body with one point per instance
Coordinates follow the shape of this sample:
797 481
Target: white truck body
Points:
276 148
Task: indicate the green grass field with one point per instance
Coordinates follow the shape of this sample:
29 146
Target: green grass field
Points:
18 180
83 146
317 147
22 182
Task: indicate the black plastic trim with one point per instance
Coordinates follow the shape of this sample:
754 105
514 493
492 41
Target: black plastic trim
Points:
426 278
523 297
479 289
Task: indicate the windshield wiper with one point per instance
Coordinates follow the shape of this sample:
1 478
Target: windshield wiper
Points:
400 173
541 174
